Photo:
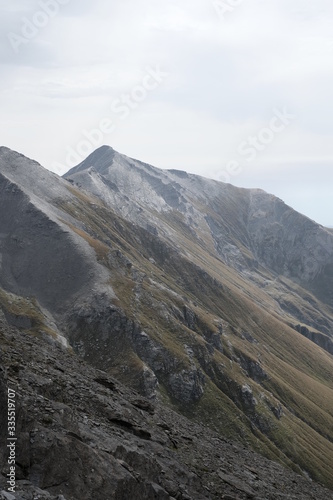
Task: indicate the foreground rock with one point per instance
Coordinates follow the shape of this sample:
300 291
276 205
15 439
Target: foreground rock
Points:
81 434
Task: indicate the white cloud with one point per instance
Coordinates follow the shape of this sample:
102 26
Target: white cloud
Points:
225 78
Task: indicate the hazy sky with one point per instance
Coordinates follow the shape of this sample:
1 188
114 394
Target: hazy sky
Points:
236 90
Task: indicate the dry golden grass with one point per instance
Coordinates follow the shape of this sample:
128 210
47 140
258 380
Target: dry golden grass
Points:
26 308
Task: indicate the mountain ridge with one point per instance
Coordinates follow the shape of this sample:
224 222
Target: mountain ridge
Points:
160 279
267 214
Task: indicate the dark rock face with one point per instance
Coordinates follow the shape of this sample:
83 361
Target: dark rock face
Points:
187 386
81 434
31 245
291 245
323 340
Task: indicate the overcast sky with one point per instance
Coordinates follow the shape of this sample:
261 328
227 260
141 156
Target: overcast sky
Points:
240 91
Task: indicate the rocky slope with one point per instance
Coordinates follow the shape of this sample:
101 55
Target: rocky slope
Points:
81 434
209 300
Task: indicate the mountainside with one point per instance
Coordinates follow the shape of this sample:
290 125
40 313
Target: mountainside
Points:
82 434
210 300
249 230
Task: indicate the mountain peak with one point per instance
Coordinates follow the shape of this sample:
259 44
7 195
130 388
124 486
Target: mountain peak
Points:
101 158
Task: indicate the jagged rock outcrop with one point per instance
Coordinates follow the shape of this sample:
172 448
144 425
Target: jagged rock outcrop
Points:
323 340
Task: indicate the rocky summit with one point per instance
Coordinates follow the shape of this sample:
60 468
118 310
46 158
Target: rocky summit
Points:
166 336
